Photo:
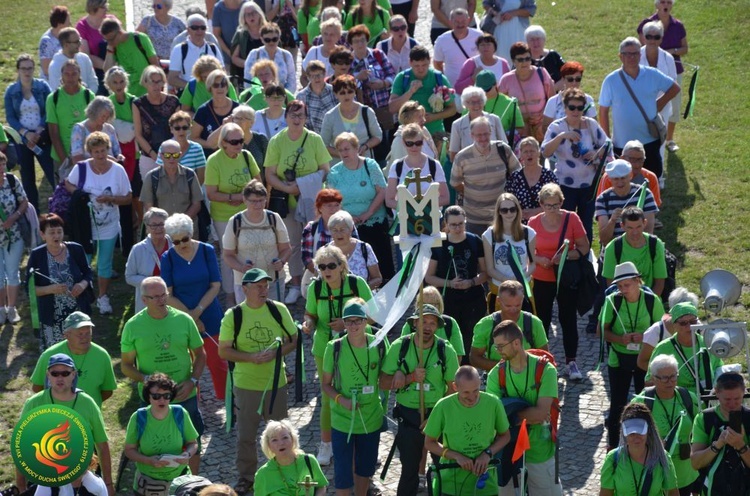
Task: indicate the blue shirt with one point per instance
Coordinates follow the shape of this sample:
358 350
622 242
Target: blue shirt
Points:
627 120
358 187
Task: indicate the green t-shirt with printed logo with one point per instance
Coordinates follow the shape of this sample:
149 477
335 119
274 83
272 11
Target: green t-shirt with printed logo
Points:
258 332
483 335
649 268
468 431
82 403
436 381
631 317
358 374
229 175
522 385
623 480
456 340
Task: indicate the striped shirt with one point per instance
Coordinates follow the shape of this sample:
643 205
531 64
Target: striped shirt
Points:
483 179
608 202
194 158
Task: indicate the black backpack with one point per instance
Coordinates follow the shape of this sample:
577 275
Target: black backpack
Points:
406 343
670 282
727 474
350 278
526 329
430 162
649 298
337 353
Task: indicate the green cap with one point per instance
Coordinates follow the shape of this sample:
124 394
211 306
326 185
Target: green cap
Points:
255 275
428 309
682 309
76 320
486 80
354 309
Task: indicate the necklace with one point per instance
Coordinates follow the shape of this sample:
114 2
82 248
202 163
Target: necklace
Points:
290 484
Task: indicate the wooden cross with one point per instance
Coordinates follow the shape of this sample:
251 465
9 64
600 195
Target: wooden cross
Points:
417 179
309 484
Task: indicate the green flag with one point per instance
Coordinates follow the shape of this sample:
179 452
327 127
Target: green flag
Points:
691 92
33 303
517 268
565 246
642 197
229 401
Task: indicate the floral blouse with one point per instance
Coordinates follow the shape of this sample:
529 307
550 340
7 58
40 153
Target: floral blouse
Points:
10 197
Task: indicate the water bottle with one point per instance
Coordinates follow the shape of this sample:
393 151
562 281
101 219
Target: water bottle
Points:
482 480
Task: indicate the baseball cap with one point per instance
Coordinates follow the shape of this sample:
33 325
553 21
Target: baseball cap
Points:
255 275
618 168
61 359
76 320
486 80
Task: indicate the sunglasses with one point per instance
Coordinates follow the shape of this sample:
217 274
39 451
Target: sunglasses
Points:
523 59
354 322
653 36
158 396
181 128
576 107
509 210
157 6
60 373
409 144
275 39
686 323
198 28
234 142
178 242
171 154
329 266
346 92
398 28
222 84
572 79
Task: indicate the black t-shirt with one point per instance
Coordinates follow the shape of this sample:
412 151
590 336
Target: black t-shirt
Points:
464 264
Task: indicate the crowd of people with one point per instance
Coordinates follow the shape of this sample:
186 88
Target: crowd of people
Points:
235 187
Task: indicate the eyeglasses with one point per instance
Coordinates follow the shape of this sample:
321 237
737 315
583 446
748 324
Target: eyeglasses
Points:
340 230
666 378
156 226
198 28
220 84
551 206
260 201
354 322
345 92
523 59
398 28
180 128
572 79
686 323
316 76
233 142
296 116
576 107
60 373
475 101
509 210
158 396
499 347
157 297
178 242
456 225
418 143
329 266
653 36
171 155
630 54
275 39
157 6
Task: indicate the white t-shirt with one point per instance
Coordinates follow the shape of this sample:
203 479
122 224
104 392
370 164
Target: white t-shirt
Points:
93 484
500 252
453 58
651 336
316 53
88 76
256 242
439 175
194 52
106 216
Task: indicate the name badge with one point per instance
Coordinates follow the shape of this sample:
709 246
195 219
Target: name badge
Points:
418 386
368 389
634 347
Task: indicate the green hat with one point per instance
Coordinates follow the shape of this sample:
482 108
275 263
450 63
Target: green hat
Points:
354 309
428 309
255 275
486 80
682 309
76 320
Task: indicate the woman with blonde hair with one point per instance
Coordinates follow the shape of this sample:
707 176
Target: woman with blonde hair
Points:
246 38
197 92
411 112
451 331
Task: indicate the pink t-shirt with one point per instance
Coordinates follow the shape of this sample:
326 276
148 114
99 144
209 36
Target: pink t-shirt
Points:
547 242
91 35
532 98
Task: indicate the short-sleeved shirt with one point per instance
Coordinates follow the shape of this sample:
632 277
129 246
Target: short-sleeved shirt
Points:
455 339
649 268
131 58
359 188
258 332
95 372
229 175
608 201
482 338
200 94
500 253
674 33
645 176
405 170
193 158
173 197
69 110
92 35
11 196
184 65
160 437
358 374
105 217
454 52
84 404
523 385
258 242
655 334
376 24
528 196
422 95
463 262
547 243
555 108
631 317
507 109
437 374
572 170
531 94
49 45
623 480
684 356
317 105
329 307
273 478
468 431
162 345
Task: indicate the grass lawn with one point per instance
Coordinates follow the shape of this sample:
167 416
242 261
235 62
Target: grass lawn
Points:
706 209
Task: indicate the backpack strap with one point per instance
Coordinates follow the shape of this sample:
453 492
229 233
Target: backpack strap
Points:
502 379
432 163
276 314
616 304
155 186
649 395
366 120
529 254
441 354
448 328
618 249
179 418
504 156
191 84
271 218
363 247
405 344
309 466
336 355
687 401
139 44
352 279
236 224
141 417
184 50
496 319
237 314
526 328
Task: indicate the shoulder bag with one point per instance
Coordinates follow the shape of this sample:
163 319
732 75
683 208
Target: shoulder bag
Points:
656 127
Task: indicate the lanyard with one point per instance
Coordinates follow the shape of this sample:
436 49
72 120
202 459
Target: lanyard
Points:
674 406
678 348
332 315
293 486
366 372
634 320
637 481
510 377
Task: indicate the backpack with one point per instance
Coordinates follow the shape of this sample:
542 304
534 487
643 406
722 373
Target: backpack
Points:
399 165
237 223
526 328
727 474
87 95
184 51
649 298
139 44
155 185
406 343
188 485
670 259
141 418
59 202
649 395
384 47
543 358
351 279
647 481
337 353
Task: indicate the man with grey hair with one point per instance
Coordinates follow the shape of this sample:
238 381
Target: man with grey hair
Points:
645 83
456 46
185 54
70 48
634 153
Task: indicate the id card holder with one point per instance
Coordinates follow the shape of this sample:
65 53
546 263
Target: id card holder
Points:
368 389
634 347
425 386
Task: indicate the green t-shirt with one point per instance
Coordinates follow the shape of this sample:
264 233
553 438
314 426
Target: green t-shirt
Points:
258 100
359 370
95 373
162 345
377 24
133 60
482 338
686 378
229 175
305 21
258 331
502 106
326 309
623 480
701 436
282 152
456 339
641 257
83 404
279 480
631 317
161 437
70 110
202 95
423 94
3 137
468 431
522 385
666 413
436 381
124 110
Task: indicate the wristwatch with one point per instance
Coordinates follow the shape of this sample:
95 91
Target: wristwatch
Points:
489 452
714 448
743 450
194 381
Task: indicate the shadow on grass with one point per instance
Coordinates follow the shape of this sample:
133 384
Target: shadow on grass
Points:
677 198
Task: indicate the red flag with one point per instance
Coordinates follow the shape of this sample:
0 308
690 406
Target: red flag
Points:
522 443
